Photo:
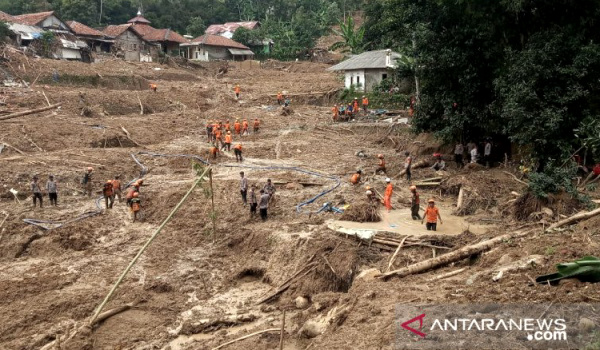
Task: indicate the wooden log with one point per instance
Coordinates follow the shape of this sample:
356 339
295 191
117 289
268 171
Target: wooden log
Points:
282 331
31 111
432 179
573 219
427 184
47 100
246 337
457 255
285 285
393 258
128 135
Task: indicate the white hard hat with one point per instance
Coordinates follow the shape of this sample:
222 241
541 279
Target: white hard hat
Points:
387 179
369 193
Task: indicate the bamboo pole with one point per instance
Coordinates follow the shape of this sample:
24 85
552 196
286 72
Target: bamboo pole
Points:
282 330
212 203
135 259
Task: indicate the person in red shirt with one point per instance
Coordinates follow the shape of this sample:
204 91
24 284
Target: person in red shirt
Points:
237 127
245 127
365 103
336 113
432 214
387 197
596 169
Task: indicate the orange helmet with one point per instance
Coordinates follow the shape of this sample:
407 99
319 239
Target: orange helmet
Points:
431 200
413 188
136 194
90 168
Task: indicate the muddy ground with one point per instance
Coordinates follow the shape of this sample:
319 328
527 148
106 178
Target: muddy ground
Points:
195 288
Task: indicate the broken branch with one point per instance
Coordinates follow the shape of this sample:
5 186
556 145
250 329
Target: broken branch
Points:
396 253
31 111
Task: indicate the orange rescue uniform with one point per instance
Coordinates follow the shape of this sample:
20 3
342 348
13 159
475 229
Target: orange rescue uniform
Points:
355 179
431 214
365 101
387 198
238 127
228 138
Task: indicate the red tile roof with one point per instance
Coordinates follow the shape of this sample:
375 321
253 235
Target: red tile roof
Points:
115 30
152 34
5 17
215 29
216 40
33 18
82 29
139 19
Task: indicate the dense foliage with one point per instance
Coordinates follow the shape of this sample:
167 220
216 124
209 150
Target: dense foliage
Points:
526 70
293 25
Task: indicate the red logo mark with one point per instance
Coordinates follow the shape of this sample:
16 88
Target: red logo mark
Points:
415 331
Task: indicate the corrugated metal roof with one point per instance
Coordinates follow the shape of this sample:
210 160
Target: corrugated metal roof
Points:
367 60
238 52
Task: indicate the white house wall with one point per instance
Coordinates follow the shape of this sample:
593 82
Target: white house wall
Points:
374 77
53 22
356 78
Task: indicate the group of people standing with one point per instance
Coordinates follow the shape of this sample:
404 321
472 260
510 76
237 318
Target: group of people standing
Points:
473 153
220 136
343 112
265 197
38 194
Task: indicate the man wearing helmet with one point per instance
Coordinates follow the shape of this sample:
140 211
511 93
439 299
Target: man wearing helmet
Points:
387 197
136 205
432 213
414 203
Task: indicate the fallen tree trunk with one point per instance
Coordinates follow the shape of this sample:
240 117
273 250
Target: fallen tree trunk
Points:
457 255
459 202
31 111
573 219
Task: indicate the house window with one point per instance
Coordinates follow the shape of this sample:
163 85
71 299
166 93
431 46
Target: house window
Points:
357 81
351 81
135 46
384 76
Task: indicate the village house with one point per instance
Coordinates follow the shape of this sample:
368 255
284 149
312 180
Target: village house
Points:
168 40
367 70
70 47
228 29
130 45
214 47
96 40
22 34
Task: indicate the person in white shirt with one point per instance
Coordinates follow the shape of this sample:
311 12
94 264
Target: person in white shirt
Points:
474 154
487 152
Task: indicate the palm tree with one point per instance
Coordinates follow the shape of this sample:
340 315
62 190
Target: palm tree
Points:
353 39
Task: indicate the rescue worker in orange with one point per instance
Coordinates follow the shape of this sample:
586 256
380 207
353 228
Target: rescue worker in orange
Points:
238 152
218 137
117 190
365 103
245 127
214 152
220 126
355 107
279 98
237 127
387 197
355 179
256 125
153 87
414 203
130 191
336 113
381 166
227 126
228 141
107 192
136 205
237 91
432 213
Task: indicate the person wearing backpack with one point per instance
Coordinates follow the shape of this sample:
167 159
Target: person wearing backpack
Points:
86 181
136 205
107 192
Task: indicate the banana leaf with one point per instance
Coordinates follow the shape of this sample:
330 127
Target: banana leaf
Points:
586 269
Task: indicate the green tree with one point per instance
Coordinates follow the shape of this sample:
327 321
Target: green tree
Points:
353 38
4 31
196 27
245 36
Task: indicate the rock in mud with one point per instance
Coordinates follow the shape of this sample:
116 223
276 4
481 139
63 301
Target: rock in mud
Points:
301 302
